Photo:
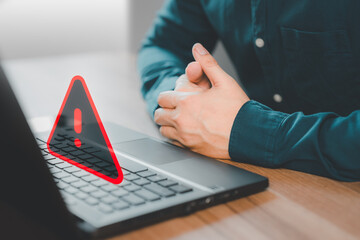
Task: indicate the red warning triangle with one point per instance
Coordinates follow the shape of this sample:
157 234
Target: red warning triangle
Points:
78 135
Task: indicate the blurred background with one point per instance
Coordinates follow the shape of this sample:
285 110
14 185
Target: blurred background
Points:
43 43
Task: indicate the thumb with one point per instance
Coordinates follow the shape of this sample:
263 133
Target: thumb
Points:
213 71
196 75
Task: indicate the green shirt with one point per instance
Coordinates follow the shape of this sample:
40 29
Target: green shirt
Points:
299 62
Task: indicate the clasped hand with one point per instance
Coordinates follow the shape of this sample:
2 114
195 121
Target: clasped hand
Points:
200 112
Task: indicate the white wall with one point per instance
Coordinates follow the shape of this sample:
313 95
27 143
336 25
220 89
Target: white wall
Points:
31 28
35 28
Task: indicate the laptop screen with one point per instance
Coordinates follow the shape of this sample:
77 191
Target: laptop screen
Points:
28 192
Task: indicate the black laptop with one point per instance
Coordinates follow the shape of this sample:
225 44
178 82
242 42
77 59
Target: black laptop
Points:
44 197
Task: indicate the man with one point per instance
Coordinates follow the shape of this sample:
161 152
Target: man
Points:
299 63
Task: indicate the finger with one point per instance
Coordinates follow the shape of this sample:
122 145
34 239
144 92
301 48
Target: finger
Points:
163 117
169 132
213 71
168 99
194 72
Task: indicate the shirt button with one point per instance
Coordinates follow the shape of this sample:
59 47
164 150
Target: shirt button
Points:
259 42
277 98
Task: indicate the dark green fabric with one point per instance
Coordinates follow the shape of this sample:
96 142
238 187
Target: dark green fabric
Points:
310 57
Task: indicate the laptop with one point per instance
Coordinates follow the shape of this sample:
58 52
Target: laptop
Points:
47 198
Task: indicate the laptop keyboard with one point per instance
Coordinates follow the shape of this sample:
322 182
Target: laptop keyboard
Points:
140 185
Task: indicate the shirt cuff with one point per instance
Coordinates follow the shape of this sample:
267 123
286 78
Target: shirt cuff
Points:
253 134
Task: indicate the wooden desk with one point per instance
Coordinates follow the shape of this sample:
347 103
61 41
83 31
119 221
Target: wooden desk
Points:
295 206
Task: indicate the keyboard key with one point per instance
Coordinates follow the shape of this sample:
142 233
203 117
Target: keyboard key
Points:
55 170
72 169
58 151
90 178
86 164
180 189
101 154
109 187
55 161
147 195
167 183
68 149
133 199
81 174
110 168
92 201
79 184
105 208
58 145
70 179
99 183
120 204
61 175
109 199
77 160
120 192
48 157
93 160
62 185
102 164
63 165
89 149
159 190
77 153
88 189
147 173
124 183
81 195
85 156
71 190
141 181
132 187
131 177
156 178
99 194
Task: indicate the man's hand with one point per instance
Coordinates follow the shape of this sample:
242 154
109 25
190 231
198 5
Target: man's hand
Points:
194 79
200 117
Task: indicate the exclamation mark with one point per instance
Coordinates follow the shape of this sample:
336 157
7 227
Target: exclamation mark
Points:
77 125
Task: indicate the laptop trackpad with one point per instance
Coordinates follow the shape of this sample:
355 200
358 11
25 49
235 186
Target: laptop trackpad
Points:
151 151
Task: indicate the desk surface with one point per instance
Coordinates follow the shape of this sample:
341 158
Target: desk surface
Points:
295 206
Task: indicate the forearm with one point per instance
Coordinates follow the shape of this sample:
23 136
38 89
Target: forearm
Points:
324 144
167 48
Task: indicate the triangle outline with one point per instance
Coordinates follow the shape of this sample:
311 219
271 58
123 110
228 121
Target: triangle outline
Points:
120 177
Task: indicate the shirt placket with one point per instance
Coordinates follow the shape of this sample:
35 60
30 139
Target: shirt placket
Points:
262 48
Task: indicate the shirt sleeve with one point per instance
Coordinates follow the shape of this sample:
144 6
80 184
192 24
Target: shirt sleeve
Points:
324 144
166 50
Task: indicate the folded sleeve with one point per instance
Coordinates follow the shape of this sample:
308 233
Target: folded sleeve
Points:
324 144
166 50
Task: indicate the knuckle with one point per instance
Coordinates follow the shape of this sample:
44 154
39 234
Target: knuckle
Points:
178 120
